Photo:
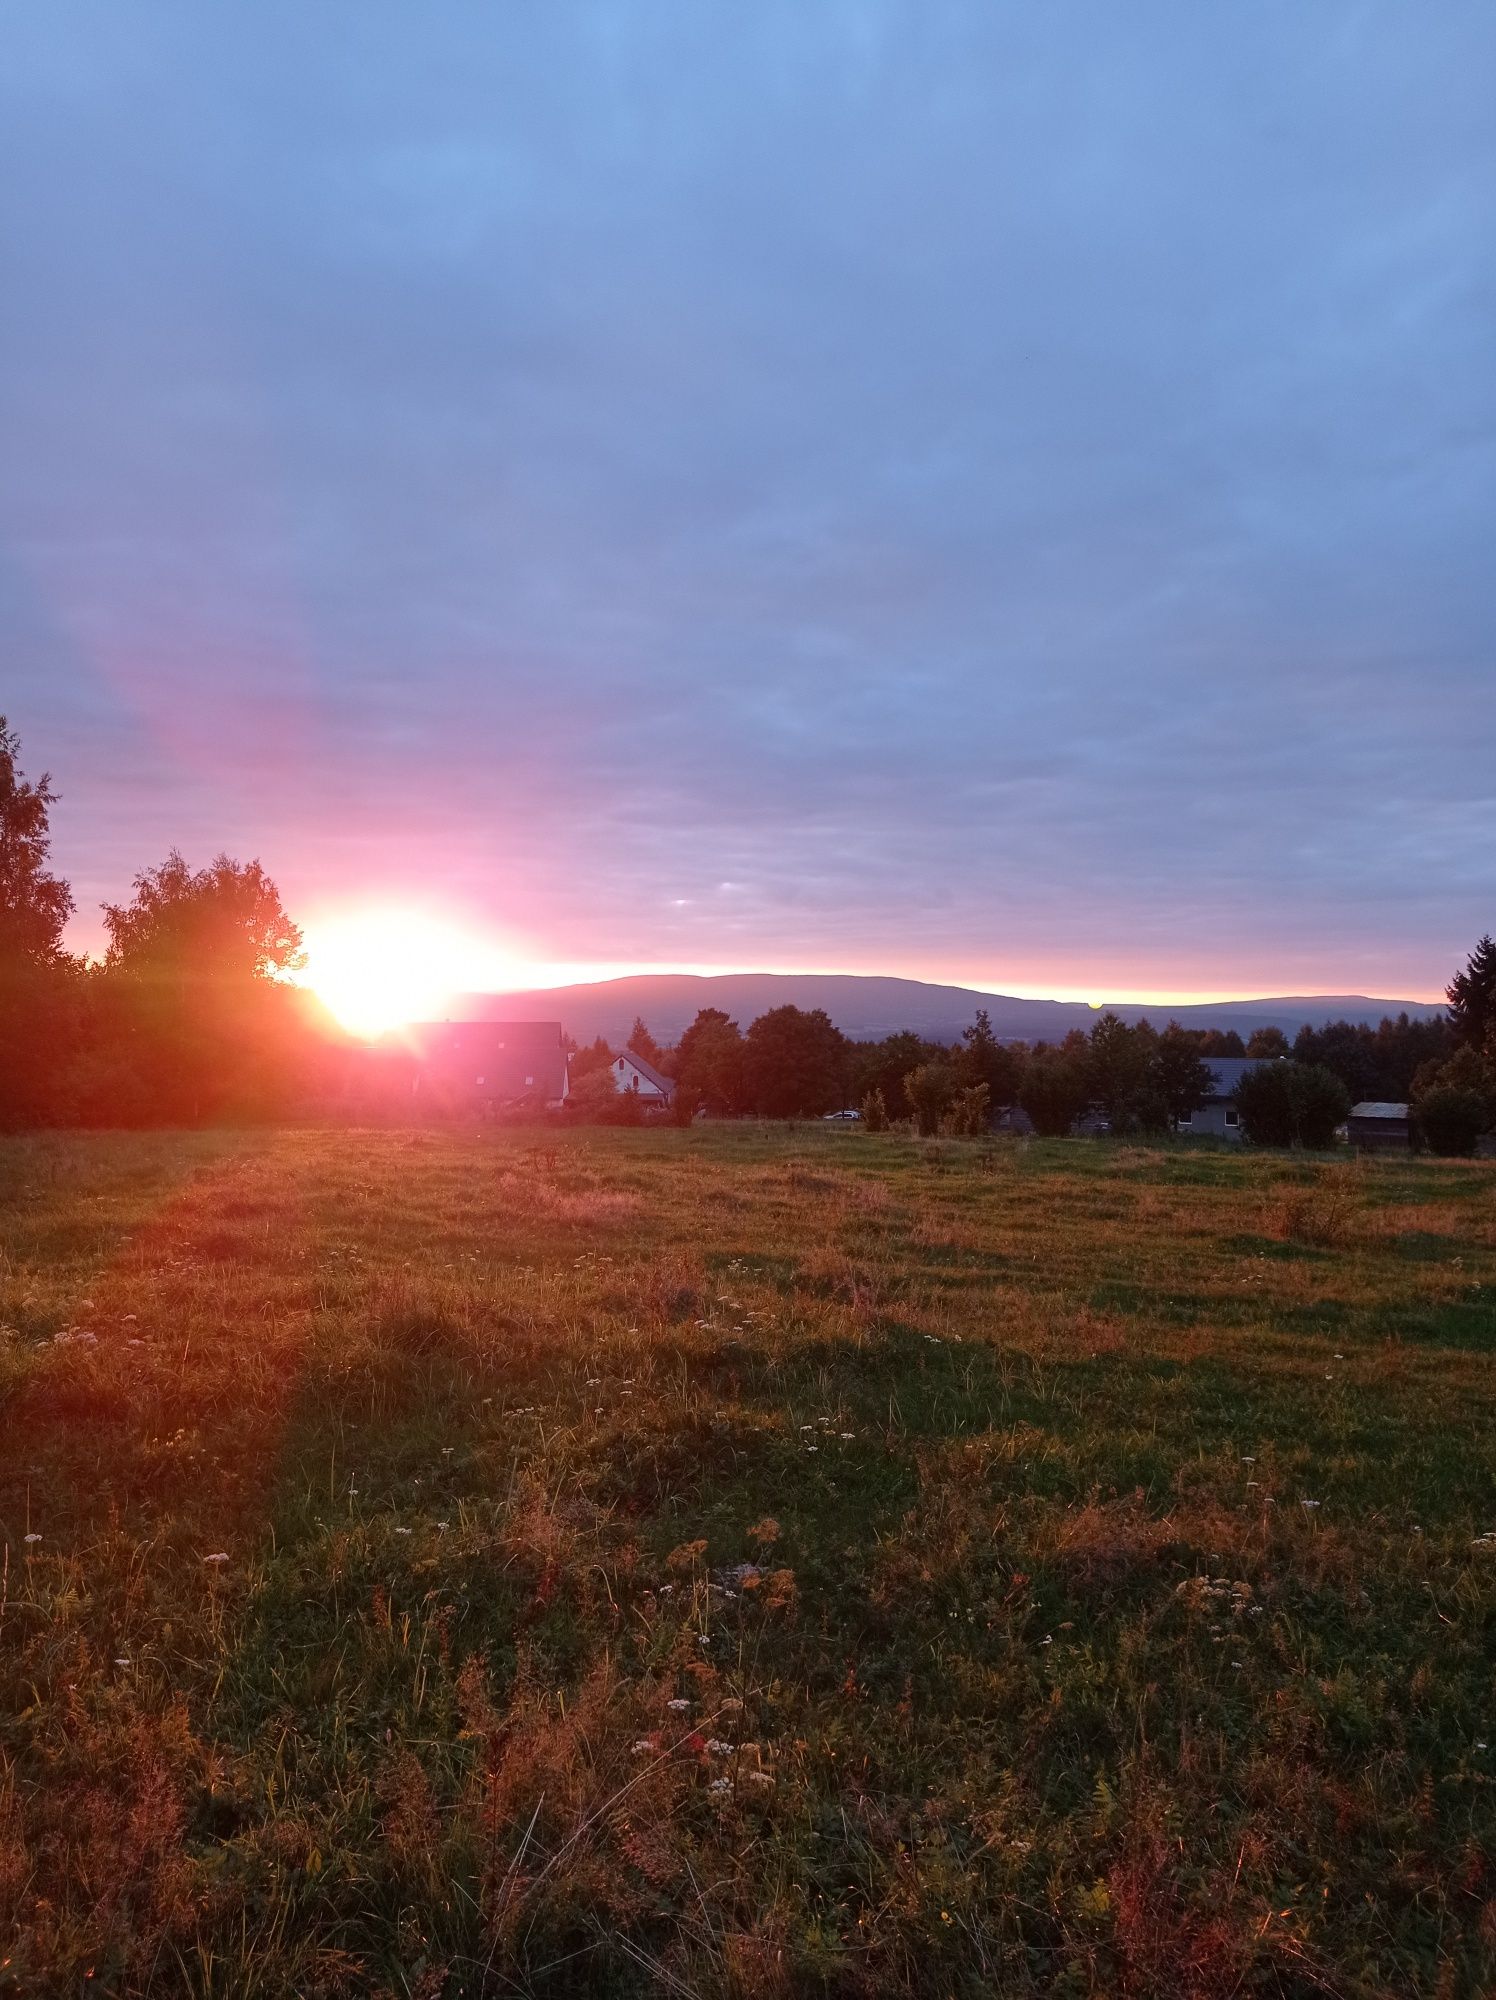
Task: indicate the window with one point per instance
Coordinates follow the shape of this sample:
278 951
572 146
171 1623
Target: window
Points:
1185 1118
1233 1118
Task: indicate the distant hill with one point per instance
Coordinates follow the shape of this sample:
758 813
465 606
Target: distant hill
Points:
867 1008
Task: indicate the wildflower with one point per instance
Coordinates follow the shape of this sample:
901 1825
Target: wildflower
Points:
32 1538
720 1785
848 1434
220 1557
1308 1503
678 1703
444 1525
125 1661
767 1777
643 1745
717 1748
402 1531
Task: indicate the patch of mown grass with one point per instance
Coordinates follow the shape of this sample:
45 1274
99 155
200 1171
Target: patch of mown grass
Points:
743 1560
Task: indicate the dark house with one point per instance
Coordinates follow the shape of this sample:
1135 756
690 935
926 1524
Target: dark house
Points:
486 1066
1218 1116
1379 1128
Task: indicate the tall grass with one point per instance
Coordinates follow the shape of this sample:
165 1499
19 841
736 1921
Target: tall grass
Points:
741 1561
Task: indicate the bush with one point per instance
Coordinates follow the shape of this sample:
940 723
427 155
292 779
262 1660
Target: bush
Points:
966 1116
1450 1120
1054 1091
874 1112
1291 1104
930 1089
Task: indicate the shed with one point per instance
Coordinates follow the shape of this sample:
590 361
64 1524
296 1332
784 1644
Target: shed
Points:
1379 1128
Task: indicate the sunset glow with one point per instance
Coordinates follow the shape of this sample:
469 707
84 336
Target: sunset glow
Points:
377 969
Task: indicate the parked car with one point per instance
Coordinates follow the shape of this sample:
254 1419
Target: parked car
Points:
832 1117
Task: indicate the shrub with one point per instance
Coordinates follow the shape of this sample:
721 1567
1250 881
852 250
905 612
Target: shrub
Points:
874 1112
1450 1120
1291 1104
930 1089
1055 1090
966 1116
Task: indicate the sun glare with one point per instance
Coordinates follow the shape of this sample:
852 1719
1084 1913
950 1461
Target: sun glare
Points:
381 968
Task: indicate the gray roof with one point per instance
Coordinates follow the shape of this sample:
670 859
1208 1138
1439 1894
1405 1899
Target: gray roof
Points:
1370 1110
1228 1071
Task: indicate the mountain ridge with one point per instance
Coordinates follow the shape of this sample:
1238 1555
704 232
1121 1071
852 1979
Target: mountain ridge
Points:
868 1006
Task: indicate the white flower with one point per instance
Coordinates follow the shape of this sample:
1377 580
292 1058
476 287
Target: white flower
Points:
643 1746
760 1777
849 1434
33 1538
718 1748
678 1703
720 1785
221 1557
402 1531
124 1661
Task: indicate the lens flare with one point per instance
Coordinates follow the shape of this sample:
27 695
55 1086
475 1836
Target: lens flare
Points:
378 969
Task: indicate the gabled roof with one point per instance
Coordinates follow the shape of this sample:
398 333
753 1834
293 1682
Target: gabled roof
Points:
1372 1110
647 1070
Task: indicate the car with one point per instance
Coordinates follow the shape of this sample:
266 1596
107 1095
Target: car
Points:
832 1117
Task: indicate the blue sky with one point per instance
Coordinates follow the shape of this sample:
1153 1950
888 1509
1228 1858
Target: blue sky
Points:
995 492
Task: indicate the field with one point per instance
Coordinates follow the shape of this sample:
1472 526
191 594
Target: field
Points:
743 1561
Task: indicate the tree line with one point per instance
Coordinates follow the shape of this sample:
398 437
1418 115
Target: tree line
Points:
1128 1079
191 1018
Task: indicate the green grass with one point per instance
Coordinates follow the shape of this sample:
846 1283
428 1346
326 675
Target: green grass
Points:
1118 1621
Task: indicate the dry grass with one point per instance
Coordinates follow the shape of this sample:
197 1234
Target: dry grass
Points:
743 1562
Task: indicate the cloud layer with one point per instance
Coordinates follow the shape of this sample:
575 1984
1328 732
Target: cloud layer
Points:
1006 493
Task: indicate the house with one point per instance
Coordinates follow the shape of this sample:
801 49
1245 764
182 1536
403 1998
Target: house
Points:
1218 1117
1379 1128
486 1066
636 1073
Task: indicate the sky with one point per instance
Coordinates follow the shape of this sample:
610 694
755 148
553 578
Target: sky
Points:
990 492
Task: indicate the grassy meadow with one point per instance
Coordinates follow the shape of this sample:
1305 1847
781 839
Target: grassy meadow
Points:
743 1561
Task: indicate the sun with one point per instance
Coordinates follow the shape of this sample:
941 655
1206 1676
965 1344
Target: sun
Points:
378 969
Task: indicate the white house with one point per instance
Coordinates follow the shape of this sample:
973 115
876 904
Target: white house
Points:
636 1073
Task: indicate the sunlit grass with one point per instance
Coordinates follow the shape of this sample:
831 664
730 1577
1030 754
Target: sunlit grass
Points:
742 1560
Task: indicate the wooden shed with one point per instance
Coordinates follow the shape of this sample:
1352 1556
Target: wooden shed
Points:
1379 1128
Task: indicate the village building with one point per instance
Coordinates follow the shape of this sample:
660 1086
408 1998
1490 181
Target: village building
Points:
1218 1117
1379 1128
484 1067
637 1074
